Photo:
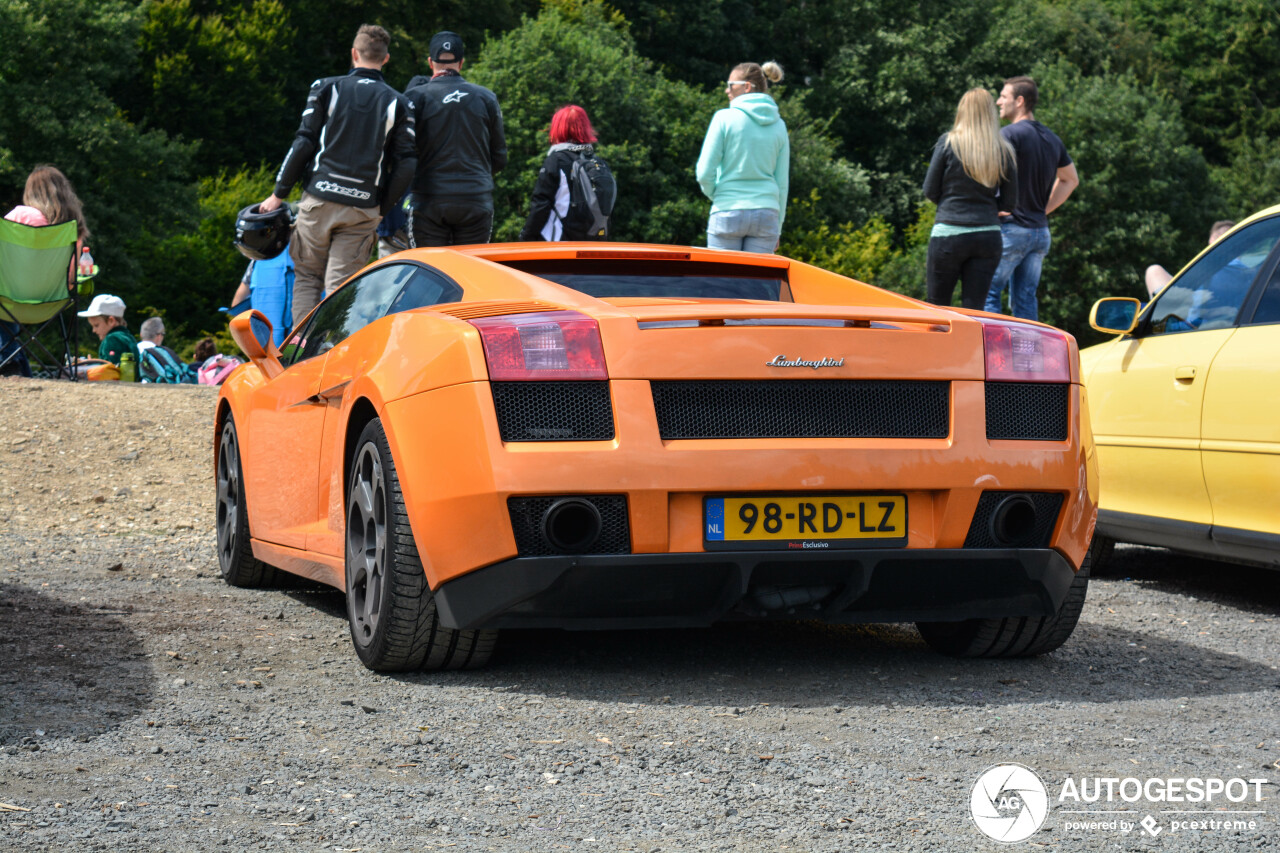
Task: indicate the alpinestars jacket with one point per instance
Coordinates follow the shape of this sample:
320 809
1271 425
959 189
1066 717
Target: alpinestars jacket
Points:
355 145
461 142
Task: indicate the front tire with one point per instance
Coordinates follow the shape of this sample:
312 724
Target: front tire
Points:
394 622
1014 637
235 550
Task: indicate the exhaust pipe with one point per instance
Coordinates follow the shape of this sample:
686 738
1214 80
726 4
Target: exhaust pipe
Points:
1013 522
571 525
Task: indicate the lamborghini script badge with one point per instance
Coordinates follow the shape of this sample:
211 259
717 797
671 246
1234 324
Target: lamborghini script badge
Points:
783 361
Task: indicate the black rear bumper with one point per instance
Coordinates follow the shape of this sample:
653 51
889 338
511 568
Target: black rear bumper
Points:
696 589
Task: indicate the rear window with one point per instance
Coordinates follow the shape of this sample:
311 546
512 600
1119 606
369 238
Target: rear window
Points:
661 279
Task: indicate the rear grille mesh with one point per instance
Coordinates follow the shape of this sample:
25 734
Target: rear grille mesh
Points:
1027 410
805 408
526 524
553 411
1047 505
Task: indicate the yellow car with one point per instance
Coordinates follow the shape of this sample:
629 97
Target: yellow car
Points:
1185 404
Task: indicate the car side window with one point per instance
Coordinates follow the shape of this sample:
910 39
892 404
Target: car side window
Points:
291 352
1210 293
1268 310
424 288
389 289
354 306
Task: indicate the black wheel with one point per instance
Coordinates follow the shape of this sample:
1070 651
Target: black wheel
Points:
1104 548
1014 637
394 622
235 552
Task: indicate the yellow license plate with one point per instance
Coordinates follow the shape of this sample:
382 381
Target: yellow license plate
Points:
798 522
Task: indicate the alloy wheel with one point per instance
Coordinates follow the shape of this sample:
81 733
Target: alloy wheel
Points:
367 543
228 496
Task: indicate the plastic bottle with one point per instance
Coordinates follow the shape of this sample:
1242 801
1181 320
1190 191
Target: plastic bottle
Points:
86 262
128 368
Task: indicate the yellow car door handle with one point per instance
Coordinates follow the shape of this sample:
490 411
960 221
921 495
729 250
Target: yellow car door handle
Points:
1184 374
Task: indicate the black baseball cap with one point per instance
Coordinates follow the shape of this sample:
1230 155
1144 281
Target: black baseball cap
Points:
447 44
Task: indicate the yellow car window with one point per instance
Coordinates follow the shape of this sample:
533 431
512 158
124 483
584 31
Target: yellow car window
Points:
1208 295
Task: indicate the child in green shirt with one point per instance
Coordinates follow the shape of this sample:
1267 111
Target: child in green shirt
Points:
106 317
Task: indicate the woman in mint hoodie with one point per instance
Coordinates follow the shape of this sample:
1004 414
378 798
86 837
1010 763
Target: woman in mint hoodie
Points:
744 164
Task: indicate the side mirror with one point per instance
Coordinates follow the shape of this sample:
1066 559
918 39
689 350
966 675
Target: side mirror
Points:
251 331
1115 314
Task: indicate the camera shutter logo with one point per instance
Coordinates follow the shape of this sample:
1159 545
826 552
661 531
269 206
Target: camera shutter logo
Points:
1009 802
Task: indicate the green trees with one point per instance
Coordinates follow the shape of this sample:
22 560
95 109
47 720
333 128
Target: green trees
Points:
1145 194
190 271
650 127
581 53
219 77
55 107
1219 59
170 115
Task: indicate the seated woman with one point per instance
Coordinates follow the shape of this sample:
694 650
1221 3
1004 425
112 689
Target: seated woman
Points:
47 199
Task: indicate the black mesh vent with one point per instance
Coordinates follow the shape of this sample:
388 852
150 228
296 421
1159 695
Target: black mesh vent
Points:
805 408
553 411
1029 410
1047 507
526 523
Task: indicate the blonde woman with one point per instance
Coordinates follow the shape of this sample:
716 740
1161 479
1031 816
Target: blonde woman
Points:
973 180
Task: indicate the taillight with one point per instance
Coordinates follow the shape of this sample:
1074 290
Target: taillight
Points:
541 346
1016 352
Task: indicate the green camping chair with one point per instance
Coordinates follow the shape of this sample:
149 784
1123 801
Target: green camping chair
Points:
34 266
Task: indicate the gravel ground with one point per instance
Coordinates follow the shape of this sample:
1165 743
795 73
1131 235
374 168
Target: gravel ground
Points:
144 704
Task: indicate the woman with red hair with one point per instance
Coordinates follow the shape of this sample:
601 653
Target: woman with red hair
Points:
572 138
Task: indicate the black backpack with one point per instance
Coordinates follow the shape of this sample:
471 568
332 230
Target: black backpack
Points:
592 192
160 365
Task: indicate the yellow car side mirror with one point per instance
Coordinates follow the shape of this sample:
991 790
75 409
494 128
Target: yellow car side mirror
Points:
1115 314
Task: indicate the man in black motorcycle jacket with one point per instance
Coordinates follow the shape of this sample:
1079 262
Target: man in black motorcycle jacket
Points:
355 154
461 146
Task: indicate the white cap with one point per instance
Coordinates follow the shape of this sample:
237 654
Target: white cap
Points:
104 305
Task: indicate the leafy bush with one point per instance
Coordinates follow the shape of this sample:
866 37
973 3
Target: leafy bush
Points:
60 61
1144 196
190 274
651 128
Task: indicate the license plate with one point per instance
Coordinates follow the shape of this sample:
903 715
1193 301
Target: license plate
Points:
802 522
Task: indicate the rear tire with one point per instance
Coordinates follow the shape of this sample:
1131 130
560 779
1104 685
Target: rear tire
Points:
395 625
235 550
1105 549
1014 637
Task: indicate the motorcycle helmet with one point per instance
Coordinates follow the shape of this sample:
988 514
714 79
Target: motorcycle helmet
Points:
263 236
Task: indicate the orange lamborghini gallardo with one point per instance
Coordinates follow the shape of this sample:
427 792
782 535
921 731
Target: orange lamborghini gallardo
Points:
592 436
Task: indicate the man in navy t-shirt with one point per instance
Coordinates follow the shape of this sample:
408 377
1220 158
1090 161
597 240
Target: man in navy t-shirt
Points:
1046 177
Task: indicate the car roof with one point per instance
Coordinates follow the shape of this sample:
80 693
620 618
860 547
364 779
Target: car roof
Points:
503 252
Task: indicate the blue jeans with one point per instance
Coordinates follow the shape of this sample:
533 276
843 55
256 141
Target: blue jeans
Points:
1019 270
753 230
